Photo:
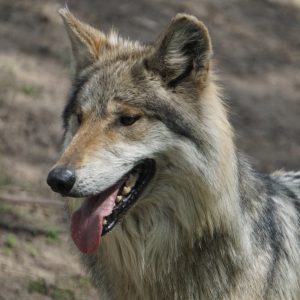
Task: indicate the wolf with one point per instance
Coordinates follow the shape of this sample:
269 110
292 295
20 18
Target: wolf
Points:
166 207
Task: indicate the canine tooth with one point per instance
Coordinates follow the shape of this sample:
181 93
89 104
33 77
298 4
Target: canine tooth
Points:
126 190
119 198
131 181
104 221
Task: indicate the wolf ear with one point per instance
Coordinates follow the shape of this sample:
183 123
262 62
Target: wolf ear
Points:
183 50
87 42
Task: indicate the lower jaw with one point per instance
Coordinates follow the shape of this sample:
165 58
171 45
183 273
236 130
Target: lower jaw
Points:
88 219
147 172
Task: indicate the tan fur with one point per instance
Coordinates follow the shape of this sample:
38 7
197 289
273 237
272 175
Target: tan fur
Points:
207 226
83 34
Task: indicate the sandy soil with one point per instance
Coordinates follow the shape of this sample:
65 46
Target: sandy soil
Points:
256 45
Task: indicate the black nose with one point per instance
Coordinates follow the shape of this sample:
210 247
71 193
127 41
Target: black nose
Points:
61 179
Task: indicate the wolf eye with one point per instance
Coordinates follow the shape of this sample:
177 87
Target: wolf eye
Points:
128 120
79 118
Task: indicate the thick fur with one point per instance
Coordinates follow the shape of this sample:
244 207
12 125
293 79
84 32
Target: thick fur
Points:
207 226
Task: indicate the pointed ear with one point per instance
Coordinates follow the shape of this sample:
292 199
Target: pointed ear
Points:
183 50
87 42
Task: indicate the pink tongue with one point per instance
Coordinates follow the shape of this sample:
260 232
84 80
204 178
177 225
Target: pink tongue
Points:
86 223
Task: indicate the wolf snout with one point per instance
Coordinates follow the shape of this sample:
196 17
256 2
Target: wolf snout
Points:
61 179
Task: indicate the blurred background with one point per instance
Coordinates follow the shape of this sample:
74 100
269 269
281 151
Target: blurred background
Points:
257 53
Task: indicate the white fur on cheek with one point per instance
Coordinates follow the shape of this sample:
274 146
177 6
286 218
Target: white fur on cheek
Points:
106 167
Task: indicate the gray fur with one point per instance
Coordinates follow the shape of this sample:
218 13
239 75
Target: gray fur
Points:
208 226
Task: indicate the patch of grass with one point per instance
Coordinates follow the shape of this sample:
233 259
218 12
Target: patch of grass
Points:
61 294
10 180
30 89
7 83
31 250
6 251
11 240
14 211
40 286
4 208
30 220
6 180
53 236
84 282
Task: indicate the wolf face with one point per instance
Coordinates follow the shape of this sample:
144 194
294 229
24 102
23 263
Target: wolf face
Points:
136 112
148 145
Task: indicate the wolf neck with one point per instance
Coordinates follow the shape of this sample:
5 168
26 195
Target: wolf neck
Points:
211 168
194 207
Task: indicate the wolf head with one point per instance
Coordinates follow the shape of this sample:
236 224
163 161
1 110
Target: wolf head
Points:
147 118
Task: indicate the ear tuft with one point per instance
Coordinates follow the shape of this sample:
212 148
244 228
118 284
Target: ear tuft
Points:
183 48
87 42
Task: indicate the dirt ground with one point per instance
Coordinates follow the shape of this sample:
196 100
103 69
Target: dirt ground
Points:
257 53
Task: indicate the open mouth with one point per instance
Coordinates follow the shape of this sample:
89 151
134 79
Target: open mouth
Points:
99 214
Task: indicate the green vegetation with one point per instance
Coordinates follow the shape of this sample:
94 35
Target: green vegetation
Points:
6 180
7 83
31 249
4 208
84 282
13 213
30 221
53 236
40 286
30 89
61 294
11 240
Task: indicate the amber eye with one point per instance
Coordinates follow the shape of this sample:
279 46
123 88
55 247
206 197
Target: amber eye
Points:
128 120
79 118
